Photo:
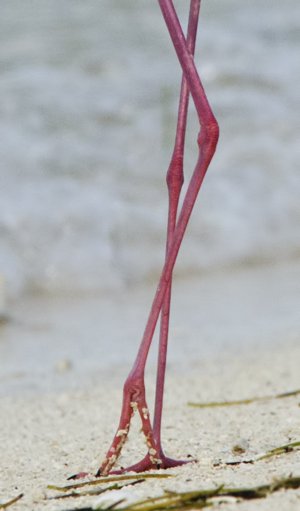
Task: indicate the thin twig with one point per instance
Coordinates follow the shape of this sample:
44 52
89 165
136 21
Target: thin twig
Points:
215 404
93 493
105 480
10 502
282 449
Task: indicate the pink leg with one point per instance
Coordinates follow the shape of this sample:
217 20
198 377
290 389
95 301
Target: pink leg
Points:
134 389
207 141
175 179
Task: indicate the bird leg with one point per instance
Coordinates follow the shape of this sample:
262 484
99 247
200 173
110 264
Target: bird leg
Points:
175 180
134 385
134 388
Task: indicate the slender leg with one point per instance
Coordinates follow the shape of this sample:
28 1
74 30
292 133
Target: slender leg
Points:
207 142
134 389
174 181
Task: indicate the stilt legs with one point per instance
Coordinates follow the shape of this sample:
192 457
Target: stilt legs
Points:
175 180
134 398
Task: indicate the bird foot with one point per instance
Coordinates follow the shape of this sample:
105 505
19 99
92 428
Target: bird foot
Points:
134 400
147 464
142 466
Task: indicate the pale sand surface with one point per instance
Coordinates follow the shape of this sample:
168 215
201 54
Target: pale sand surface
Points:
45 439
47 435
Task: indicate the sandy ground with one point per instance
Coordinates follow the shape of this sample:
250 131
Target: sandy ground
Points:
45 439
48 435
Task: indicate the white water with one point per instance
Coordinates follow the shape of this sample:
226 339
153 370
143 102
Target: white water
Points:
88 97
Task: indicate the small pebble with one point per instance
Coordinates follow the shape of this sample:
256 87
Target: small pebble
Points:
240 448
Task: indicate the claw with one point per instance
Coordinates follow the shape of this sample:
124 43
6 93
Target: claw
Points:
80 475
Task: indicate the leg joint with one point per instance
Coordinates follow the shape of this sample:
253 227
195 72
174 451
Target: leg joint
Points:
175 176
209 136
134 388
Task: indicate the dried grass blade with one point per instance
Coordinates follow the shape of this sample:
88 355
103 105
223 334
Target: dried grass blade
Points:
216 404
105 480
10 502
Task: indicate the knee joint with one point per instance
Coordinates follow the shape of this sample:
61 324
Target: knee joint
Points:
133 387
174 176
208 136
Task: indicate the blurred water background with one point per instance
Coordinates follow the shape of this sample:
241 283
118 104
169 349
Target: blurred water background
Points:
88 98
88 101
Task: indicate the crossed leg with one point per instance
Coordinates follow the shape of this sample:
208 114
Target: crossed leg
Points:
175 178
134 389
